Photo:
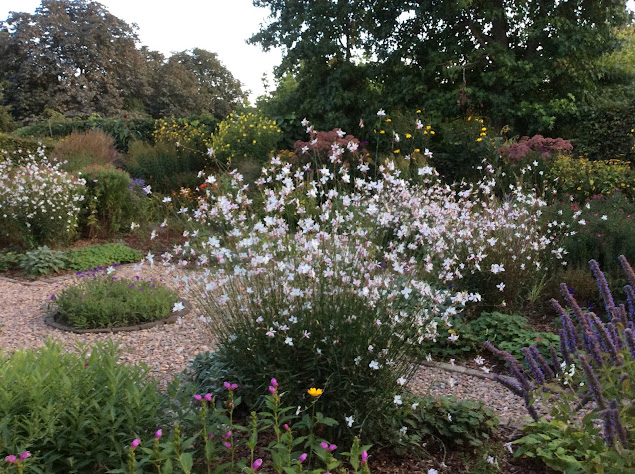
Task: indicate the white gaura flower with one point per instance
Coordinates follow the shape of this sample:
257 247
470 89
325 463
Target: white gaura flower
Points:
401 381
374 365
479 360
397 400
349 421
271 332
178 306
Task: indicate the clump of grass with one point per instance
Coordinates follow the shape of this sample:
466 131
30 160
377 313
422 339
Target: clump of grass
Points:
81 149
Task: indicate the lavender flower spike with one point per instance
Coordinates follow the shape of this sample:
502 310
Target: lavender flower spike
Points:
592 382
603 285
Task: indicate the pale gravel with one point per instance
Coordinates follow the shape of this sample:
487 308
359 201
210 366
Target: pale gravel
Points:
167 349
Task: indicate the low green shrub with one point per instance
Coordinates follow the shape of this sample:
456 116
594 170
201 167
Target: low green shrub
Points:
73 411
101 301
510 332
17 147
452 421
100 255
43 261
10 259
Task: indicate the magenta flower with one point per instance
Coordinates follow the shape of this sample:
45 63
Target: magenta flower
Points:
11 458
208 397
274 382
364 457
272 389
135 442
230 386
24 455
198 397
158 434
227 444
257 463
286 427
226 435
302 458
324 445
210 436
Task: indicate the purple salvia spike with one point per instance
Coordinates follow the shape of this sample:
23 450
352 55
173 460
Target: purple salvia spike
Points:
573 304
630 301
608 427
514 387
630 341
628 269
616 339
593 347
592 382
567 324
555 360
605 291
534 368
564 347
619 428
542 363
605 338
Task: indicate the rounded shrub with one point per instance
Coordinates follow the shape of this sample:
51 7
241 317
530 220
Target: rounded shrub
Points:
102 301
245 137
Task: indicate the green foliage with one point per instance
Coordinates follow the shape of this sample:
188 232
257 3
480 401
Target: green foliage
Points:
100 255
460 146
43 261
123 130
17 148
603 229
73 412
10 259
454 422
245 137
101 301
584 179
110 204
165 167
509 332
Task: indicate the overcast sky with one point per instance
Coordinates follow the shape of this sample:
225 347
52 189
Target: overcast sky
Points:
220 26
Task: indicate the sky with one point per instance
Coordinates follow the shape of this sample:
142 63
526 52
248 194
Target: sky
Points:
220 26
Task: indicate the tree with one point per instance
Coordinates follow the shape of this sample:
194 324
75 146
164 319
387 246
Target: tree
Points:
526 63
70 56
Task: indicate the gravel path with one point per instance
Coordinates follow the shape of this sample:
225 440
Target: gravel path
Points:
167 349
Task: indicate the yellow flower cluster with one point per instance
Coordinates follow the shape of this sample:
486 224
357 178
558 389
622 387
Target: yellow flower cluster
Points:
245 136
187 134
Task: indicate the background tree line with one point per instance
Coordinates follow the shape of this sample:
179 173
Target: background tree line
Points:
72 57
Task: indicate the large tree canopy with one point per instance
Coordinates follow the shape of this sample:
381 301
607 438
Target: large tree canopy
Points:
522 62
74 57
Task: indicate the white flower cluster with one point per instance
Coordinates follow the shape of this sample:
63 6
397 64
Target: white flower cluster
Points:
39 197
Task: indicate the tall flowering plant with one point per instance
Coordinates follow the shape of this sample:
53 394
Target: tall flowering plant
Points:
589 384
39 203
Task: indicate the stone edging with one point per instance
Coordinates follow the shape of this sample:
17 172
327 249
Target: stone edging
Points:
53 279
49 319
475 373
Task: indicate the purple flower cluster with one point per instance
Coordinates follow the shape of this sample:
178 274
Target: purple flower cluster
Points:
589 343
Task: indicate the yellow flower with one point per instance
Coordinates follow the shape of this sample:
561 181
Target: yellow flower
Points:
419 111
388 120
579 188
381 131
428 127
398 150
417 150
408 135
431 132
315 392
479 139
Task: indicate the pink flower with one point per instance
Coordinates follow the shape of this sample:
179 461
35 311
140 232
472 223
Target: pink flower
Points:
364 457
302 458
226 435
274 382
272 389
227 444
11 458
24 455
198 397
324 445
257 463
230 386
286 427
158 434
135 442
210 436
208 397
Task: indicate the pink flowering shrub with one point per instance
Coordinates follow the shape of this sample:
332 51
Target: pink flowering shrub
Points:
543 147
